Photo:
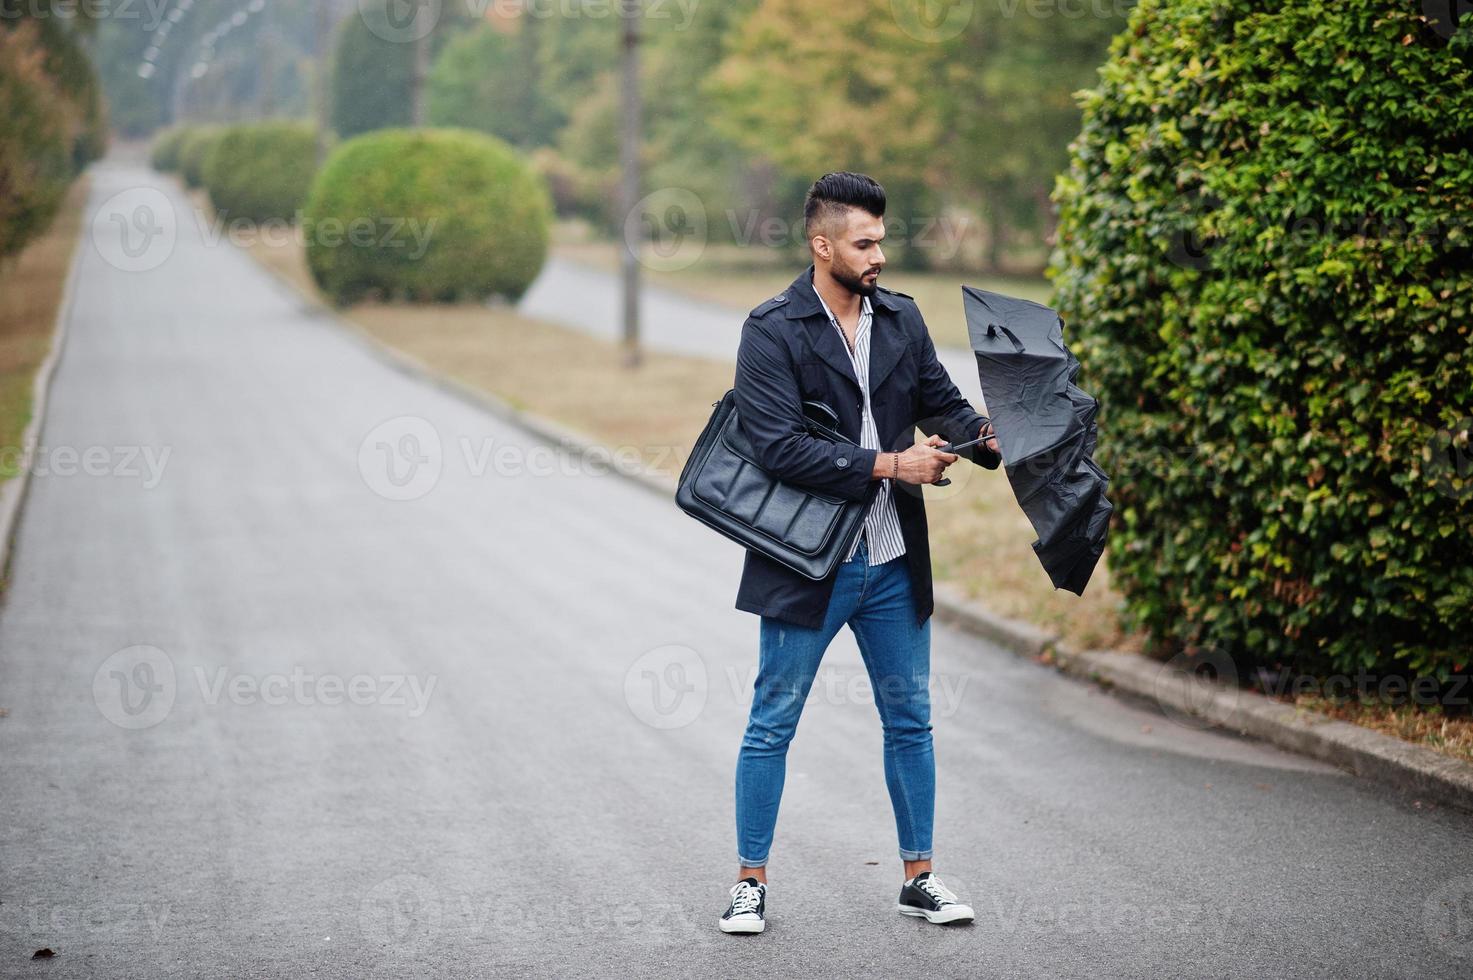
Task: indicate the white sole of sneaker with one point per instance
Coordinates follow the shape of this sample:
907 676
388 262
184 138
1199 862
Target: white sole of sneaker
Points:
742 925
960 913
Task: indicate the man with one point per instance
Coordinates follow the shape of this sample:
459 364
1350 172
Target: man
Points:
838 336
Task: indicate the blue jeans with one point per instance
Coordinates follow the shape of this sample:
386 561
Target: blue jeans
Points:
876 603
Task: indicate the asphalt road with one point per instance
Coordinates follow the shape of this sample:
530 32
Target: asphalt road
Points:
266 718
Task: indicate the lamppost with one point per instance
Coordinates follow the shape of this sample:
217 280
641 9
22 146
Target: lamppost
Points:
630 11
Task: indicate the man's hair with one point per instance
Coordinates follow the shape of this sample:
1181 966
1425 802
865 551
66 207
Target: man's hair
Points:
833 194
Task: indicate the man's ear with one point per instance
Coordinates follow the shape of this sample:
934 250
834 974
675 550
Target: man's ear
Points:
822 247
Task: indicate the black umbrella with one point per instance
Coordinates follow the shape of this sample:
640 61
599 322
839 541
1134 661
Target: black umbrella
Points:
1045 428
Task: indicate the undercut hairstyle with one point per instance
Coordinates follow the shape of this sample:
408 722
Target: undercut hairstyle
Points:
833 194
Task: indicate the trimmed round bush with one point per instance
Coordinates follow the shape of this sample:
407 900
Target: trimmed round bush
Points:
194 151
262 171
430 215
1263 261
166 147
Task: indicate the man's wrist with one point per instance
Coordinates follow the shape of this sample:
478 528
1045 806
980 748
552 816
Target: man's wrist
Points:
886 467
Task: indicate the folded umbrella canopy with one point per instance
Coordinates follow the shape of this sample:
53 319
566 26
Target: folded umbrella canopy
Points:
1045 427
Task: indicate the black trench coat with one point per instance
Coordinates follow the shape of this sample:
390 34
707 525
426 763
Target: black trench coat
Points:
790 352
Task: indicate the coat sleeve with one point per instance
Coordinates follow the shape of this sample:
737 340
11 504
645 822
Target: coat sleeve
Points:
769 407
944 410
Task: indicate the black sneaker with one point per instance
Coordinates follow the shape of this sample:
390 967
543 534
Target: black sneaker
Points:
748 902
925 895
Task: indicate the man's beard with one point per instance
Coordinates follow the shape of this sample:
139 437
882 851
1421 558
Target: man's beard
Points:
853 281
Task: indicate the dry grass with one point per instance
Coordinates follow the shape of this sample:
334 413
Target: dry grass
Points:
31 287
1410 723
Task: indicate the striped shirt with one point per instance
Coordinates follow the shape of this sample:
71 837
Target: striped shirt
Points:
881 522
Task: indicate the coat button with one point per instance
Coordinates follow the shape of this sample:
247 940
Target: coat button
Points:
842 461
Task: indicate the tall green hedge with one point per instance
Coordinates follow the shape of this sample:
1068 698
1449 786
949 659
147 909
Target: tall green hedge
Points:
441 214
1264 264
262 171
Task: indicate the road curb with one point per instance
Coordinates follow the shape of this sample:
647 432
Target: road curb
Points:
13 492
1418 771
1022 638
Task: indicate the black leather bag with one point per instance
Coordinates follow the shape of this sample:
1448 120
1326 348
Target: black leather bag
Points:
722 486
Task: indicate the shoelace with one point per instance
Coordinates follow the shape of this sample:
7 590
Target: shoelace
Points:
932 886
746 899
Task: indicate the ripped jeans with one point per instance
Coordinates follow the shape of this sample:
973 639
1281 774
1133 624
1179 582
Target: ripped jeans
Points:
876 603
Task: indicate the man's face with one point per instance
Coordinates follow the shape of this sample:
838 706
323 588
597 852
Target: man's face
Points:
855 256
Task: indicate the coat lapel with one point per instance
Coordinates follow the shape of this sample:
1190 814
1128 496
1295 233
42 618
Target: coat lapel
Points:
886 345
887 340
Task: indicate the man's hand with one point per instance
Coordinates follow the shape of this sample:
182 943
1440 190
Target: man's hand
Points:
919 464
990 434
